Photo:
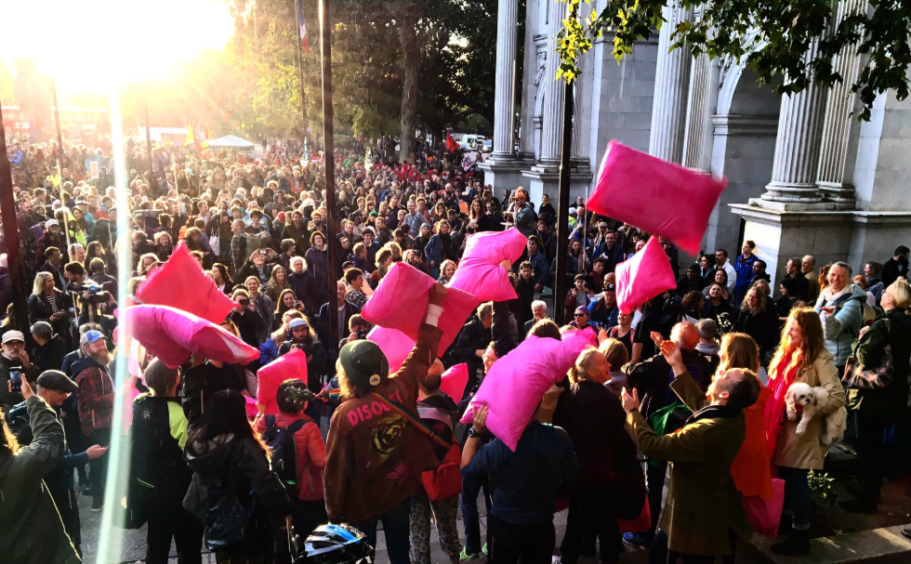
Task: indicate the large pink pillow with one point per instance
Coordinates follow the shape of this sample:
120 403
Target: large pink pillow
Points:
400 302
516 383
480 272
644 276
659 197
454 380
173 335
394 344
181 284
269 377
577 340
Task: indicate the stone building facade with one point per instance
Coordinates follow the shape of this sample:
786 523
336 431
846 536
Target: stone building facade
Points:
804 175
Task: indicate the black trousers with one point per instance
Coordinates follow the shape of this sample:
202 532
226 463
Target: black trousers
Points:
654 480
308 515
167 520
874 454
66 502
98 468
533 544
590 517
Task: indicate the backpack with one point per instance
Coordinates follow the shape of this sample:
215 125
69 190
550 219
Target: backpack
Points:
280 441
445 481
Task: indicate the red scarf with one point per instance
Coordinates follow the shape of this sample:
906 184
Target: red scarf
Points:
780 380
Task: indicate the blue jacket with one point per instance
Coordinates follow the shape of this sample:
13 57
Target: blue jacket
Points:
744 269
542 270
434 250
843 327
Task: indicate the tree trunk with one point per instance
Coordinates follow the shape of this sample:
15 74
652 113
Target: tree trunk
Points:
410 62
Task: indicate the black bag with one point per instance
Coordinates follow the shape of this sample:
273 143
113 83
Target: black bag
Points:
280 441
229 519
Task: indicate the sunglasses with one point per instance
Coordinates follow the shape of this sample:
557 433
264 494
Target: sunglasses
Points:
580 315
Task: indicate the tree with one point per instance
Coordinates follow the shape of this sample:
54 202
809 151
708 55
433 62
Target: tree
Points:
775 38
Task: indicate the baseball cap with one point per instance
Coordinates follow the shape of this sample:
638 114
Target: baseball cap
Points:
90 337
364 363
298 323
57 381
51 222
581 310
13 336
602 224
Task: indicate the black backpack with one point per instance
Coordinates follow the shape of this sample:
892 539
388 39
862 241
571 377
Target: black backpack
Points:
280 441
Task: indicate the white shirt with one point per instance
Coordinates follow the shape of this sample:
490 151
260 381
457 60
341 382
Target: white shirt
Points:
732 275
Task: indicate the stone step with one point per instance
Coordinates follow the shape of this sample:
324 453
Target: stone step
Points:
875 546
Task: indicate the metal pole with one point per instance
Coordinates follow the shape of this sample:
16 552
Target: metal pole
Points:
59 137
560 285
11 235
329 161
300 71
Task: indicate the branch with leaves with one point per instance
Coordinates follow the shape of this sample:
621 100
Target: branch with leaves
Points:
773 38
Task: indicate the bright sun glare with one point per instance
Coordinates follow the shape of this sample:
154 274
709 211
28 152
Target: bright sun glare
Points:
84 42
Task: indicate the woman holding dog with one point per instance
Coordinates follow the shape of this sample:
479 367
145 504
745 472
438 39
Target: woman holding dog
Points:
888 340
801 358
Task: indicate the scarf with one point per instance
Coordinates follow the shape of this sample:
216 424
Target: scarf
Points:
780 379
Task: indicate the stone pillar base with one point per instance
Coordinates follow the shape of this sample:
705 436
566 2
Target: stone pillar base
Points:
772 205
829 235
545 179
502 172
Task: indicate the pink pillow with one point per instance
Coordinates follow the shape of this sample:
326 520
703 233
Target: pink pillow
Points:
394 344
516 383
577 340
656 196
400 302
454 381
269 377
173 335
644 276
181 284
479 272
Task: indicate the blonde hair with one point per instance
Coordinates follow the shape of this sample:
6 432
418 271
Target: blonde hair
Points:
901 294
741 351
38 285
579 371
812 342
760 297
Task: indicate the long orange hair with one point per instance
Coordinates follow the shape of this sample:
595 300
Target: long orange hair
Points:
811 344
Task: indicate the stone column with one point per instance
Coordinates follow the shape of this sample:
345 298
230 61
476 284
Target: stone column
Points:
672 77
552 129
504 104
840 103
797 147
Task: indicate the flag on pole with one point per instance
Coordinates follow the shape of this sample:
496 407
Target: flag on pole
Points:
191 138
451 144
305 43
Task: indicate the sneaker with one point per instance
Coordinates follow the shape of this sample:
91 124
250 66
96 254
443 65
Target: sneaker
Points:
637 540
97 503
464 556
484 549
906 533
556 559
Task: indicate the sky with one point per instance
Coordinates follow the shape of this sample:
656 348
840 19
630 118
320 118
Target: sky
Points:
86 44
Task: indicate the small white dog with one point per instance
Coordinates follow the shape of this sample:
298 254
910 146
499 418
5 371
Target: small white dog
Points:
806 401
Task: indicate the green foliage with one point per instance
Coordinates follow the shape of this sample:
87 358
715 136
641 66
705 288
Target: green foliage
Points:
773 37
821 485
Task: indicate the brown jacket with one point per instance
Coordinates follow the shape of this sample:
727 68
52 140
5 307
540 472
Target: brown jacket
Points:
374 457
702 501
805 452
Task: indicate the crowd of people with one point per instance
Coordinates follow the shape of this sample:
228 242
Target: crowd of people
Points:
696 383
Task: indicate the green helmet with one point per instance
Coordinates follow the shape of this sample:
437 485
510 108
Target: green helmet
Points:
361 360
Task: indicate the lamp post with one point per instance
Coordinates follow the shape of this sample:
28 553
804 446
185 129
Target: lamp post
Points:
329 160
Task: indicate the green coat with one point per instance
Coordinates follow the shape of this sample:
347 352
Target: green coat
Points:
32 532
702 501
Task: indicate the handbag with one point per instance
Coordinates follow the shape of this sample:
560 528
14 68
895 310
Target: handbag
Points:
229 520
861 377
764 514
215 245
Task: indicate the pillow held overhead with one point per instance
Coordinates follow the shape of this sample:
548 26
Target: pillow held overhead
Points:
656 196
479 272
644 276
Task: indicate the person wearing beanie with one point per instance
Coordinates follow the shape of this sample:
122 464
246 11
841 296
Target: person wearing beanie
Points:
374 455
